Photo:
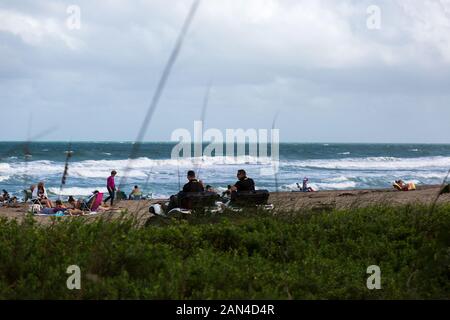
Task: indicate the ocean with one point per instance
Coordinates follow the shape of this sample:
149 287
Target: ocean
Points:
329 166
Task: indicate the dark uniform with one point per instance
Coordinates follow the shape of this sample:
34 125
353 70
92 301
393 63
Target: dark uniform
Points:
245 184
177 200
193 186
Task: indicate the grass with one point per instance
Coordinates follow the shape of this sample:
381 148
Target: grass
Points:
296 255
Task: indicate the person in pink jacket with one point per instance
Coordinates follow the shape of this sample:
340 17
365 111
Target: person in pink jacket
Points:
111 186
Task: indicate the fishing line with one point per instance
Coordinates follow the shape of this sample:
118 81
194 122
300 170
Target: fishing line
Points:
440 192
203 117
275 169
160 87
66 170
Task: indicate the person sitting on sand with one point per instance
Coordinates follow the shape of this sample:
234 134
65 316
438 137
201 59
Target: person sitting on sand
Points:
5 197
244 183
72 202
7 200
193 184
12 203
305 187
28 193
209 188
136 194
41 193
227 193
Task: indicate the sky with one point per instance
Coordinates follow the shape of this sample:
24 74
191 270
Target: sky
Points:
333 71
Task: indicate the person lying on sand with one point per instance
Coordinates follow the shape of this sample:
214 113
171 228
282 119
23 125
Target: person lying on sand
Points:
400 185
80 206
59 208
7 200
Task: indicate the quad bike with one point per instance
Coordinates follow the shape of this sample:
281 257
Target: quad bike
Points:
186 203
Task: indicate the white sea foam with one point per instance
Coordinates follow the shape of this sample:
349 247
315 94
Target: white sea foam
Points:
333 185
327 184
323 173
4 167
75 191
137 167
376 163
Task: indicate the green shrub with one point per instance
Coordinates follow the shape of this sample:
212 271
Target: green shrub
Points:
295 255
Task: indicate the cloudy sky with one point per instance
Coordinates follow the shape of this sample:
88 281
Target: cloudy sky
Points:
330 76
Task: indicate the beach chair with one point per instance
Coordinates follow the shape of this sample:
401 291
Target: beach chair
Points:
136 197
27 195
36 205
93 203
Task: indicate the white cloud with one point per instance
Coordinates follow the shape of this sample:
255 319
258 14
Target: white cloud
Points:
35 32
310 59
429 26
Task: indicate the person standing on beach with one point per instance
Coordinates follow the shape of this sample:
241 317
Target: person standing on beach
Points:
111 186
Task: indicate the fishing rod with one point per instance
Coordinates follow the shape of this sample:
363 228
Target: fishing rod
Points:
66 170
275 169
441 191
178 173
147 181
26 149
203 117
160 88
27 153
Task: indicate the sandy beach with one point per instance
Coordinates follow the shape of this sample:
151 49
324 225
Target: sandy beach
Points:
283 201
